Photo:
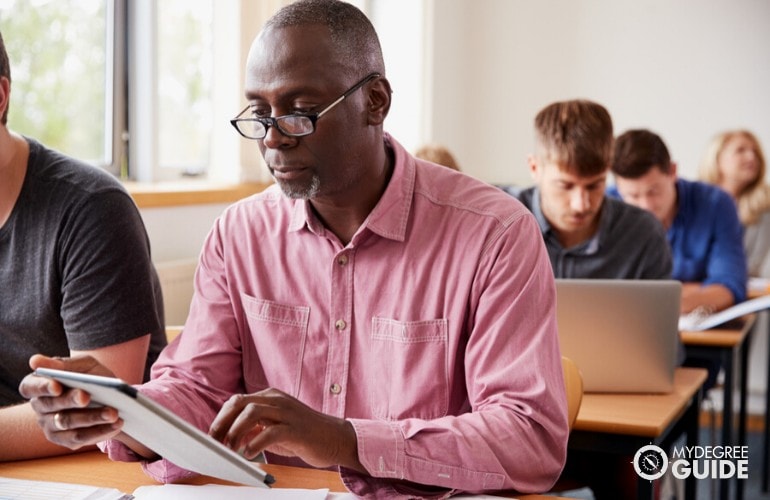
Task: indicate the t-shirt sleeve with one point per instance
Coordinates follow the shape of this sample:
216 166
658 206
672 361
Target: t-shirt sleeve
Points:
110 291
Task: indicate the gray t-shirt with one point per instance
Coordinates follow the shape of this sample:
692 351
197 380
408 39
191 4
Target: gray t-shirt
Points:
756 241
75 268
630 243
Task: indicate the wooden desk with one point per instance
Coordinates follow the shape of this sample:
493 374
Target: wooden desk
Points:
729 344
94 468
623 423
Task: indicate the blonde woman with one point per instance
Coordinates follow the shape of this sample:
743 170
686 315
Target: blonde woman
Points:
734 161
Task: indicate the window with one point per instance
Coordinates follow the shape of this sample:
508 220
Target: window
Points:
146 88
184 83
184 79
61 60
73 91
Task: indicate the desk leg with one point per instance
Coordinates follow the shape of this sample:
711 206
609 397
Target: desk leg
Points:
691 427
766 430
745 348
727 413
644 489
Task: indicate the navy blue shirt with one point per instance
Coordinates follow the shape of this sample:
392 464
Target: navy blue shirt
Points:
706 238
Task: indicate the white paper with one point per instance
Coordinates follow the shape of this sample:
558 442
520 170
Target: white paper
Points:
697 322
12 489
209 491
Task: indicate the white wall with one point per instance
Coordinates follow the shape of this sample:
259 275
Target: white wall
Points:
685 69
177 233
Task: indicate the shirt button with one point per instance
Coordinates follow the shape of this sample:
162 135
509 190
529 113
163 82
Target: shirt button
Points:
335 388
342 260
340 324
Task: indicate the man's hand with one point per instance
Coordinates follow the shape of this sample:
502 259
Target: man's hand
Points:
713 297
63 413
274 421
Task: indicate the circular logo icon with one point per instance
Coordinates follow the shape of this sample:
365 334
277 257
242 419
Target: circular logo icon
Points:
650 462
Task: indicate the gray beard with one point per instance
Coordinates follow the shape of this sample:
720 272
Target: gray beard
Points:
302 192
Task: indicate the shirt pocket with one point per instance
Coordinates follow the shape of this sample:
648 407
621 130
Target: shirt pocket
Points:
408 369
278 333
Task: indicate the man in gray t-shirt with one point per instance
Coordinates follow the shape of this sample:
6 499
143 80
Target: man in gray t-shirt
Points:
587 234
75 274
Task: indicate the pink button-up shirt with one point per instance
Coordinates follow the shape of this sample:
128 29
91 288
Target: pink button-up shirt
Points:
433 332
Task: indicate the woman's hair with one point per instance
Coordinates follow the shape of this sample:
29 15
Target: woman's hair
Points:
438 154
755 197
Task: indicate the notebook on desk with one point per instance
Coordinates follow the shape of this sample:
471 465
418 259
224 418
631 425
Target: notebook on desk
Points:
622 334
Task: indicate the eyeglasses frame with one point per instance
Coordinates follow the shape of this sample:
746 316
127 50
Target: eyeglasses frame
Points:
270 121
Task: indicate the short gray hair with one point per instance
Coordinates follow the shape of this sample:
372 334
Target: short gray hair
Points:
351 32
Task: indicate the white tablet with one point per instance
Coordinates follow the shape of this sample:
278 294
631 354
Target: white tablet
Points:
163 432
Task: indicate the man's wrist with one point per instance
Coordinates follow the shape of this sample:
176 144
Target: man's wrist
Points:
349 451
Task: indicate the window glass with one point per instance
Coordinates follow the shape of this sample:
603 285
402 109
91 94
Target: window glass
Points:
58 56
184 73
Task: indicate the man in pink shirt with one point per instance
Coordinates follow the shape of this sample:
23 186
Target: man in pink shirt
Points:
370 312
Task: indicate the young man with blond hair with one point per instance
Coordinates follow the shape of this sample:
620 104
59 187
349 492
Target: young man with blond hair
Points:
587 234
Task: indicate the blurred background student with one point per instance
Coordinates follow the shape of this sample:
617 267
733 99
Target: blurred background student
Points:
701 221
734 161
438 154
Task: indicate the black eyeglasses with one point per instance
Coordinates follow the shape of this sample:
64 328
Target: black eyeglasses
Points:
295 125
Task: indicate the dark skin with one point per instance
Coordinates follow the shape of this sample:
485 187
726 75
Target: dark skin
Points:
346 152
342 169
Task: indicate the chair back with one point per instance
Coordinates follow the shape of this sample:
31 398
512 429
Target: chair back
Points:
172 332
573 382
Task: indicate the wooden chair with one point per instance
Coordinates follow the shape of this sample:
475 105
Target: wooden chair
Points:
573 382
172 331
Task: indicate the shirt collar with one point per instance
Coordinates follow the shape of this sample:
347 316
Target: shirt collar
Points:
545 227
390 215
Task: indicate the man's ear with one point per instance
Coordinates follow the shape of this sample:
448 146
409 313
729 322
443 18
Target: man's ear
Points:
5 93
378 102
533 167
672 170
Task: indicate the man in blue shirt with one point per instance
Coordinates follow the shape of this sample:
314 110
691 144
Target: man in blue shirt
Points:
701 221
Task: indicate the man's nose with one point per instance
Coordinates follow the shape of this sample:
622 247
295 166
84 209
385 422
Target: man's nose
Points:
580 200
275 139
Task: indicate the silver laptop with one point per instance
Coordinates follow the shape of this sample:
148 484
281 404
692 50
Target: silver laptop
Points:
622 334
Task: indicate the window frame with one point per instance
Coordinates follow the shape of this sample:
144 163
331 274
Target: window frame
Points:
142 110
116 88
